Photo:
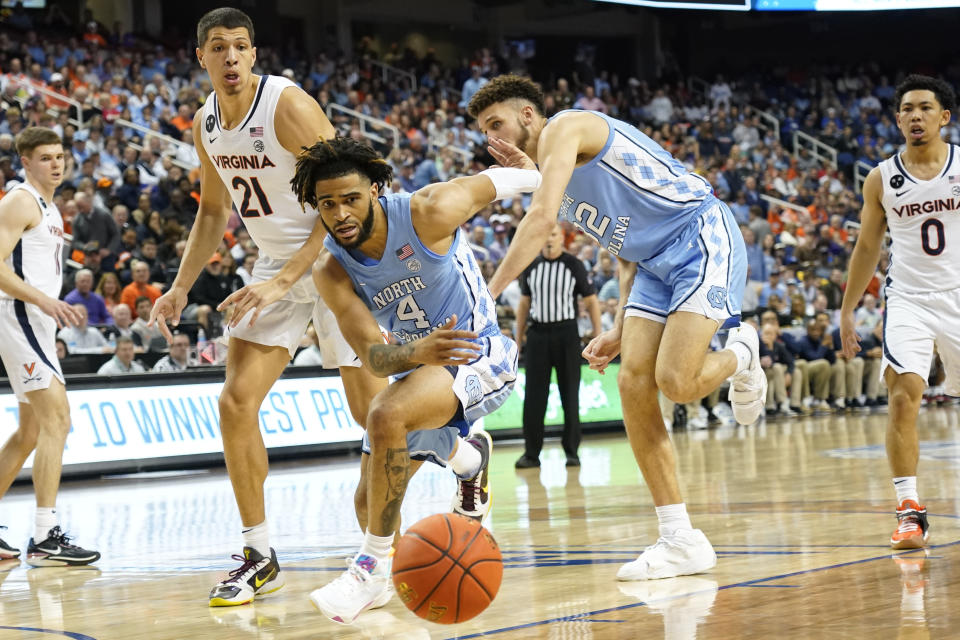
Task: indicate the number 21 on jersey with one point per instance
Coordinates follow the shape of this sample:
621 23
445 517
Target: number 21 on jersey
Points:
253 185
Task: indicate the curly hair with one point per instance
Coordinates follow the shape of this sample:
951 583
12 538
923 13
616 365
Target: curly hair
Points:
916 82
506 87
335 158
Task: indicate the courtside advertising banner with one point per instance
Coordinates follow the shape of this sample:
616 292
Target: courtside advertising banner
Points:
151 422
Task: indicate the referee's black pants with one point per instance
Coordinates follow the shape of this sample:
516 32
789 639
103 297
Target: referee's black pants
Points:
552 346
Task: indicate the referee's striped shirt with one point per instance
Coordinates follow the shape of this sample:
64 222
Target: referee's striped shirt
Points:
553 287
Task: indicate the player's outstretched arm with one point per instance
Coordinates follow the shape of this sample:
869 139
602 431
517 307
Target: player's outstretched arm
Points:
205 236
17 212
560 143
442 347
299 122
439 209
863 261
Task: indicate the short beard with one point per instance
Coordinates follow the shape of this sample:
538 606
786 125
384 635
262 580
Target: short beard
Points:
366 229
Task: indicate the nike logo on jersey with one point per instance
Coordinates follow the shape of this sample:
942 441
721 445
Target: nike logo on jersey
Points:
902 193
212 140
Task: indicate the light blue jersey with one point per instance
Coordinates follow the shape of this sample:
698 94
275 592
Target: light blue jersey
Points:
642 205
412 291
633 197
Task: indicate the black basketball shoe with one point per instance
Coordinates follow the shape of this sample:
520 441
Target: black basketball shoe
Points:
255 578
56 551
6 551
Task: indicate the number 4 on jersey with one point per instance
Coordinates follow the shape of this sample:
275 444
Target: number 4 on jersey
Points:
407 309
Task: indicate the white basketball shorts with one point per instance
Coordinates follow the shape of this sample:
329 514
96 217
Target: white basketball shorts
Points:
916 323
28 348
283 323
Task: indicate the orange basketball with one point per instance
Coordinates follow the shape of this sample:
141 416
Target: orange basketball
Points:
447 568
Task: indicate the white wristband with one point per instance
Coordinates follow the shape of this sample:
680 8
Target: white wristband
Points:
510 182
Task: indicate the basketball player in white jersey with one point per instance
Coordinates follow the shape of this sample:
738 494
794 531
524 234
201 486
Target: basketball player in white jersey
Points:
31 247
915 194
249 131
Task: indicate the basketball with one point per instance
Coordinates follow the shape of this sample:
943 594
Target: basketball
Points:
447 568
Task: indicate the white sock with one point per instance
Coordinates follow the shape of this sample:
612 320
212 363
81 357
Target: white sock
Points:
378 547
673 517
45 519
743 354
258 537
906 488
466 460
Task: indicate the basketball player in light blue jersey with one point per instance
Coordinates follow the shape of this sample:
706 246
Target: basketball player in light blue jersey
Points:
683 270
400 262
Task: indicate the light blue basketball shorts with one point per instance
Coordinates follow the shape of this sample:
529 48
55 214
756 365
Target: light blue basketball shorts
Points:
704 271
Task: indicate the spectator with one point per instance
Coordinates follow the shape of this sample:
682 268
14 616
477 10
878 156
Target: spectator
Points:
140 272
590 101
778 365
868 316
245 271
207 293
123 326
814 359
176 360
473 84
773 285
122 362
150 337
148 254
83 338
478 242
833 289
62 350
82 293
756 265
93 224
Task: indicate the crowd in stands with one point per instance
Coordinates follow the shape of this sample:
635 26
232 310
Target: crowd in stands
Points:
131 191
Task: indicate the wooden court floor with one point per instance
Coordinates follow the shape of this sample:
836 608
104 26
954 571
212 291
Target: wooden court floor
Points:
799 511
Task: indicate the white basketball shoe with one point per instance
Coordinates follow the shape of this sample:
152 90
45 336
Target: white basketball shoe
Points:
748 389
683 553
364 585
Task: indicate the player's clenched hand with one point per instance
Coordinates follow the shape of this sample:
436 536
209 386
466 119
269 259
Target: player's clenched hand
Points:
446 346
254 297
848 335
602 349
509 155
166 310
61 311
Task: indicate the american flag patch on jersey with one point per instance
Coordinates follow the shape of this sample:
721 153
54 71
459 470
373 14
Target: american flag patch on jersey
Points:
256 132
954 179
404 252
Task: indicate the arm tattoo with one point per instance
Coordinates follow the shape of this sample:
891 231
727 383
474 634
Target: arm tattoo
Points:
398 473
388 359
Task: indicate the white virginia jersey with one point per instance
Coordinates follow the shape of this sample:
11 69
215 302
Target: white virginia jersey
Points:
38 256
923 217
257 170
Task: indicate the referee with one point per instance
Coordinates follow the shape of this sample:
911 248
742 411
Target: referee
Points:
549 289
